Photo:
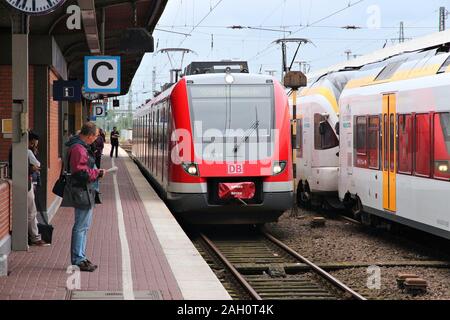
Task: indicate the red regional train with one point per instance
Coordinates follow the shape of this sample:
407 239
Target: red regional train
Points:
217 146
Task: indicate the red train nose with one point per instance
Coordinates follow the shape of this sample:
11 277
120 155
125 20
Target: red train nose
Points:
236 190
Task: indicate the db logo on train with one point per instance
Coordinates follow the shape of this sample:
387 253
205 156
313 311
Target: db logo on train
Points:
235 169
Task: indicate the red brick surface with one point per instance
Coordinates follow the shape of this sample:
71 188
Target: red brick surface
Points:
40 273
6 103
5 208
54 140
5 106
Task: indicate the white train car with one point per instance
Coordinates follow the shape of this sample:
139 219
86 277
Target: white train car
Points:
317 142
395 140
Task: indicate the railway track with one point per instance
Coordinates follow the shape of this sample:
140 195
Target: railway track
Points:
258 266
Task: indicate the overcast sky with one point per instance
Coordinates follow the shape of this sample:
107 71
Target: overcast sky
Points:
207 22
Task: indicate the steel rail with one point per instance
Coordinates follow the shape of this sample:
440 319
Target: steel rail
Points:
314 267
233 270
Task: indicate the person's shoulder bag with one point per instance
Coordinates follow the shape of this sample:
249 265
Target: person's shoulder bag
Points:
73 194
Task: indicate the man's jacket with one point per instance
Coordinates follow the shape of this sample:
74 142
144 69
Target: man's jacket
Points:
81 165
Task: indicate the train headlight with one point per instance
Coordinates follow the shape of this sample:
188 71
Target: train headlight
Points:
278 167
229 79
190 168
442 166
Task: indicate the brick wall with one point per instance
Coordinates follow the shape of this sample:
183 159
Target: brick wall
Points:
6 103
54 160
5 209
5 106
54 140
5 113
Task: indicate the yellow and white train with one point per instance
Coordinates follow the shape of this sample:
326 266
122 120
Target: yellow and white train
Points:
382 143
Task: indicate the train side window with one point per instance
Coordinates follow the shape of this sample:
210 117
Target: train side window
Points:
360 142
324 136
139 138
153 139
385 143
374 142
163 128
142 140
422 145
405 143
163 139
392 142
157 133
442 145
299 138
150 137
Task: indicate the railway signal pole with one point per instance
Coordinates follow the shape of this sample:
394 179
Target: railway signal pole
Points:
348 53
401 37
442 18
293 80
284 67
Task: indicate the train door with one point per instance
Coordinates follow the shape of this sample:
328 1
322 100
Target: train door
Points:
389 153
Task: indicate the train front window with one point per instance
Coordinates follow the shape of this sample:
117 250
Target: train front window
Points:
324 136
224 114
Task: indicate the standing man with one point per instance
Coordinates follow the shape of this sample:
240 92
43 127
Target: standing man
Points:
34 167
114 141
83 172
97 149
34 238
99 145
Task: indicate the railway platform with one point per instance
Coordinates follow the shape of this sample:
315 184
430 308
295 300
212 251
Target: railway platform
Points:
141 251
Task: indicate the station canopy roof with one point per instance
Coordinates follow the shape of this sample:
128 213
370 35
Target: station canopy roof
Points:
118 18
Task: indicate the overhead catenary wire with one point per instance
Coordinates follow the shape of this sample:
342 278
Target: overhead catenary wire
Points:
287 26
383 38
223 42
350 5
193 28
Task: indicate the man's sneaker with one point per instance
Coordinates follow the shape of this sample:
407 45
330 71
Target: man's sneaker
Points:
90 263
40 243
86 266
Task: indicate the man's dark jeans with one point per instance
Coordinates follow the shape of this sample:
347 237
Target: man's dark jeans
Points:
114 146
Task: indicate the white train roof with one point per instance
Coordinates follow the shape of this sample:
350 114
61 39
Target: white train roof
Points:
238 78
428 41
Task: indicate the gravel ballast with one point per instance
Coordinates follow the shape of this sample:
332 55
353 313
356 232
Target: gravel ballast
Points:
340 241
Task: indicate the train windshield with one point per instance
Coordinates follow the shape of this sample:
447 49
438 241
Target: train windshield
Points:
233 118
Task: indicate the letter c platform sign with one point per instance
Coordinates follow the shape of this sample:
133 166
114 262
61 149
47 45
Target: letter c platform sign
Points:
102 74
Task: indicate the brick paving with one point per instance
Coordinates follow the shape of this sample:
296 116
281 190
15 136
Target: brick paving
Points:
40 273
